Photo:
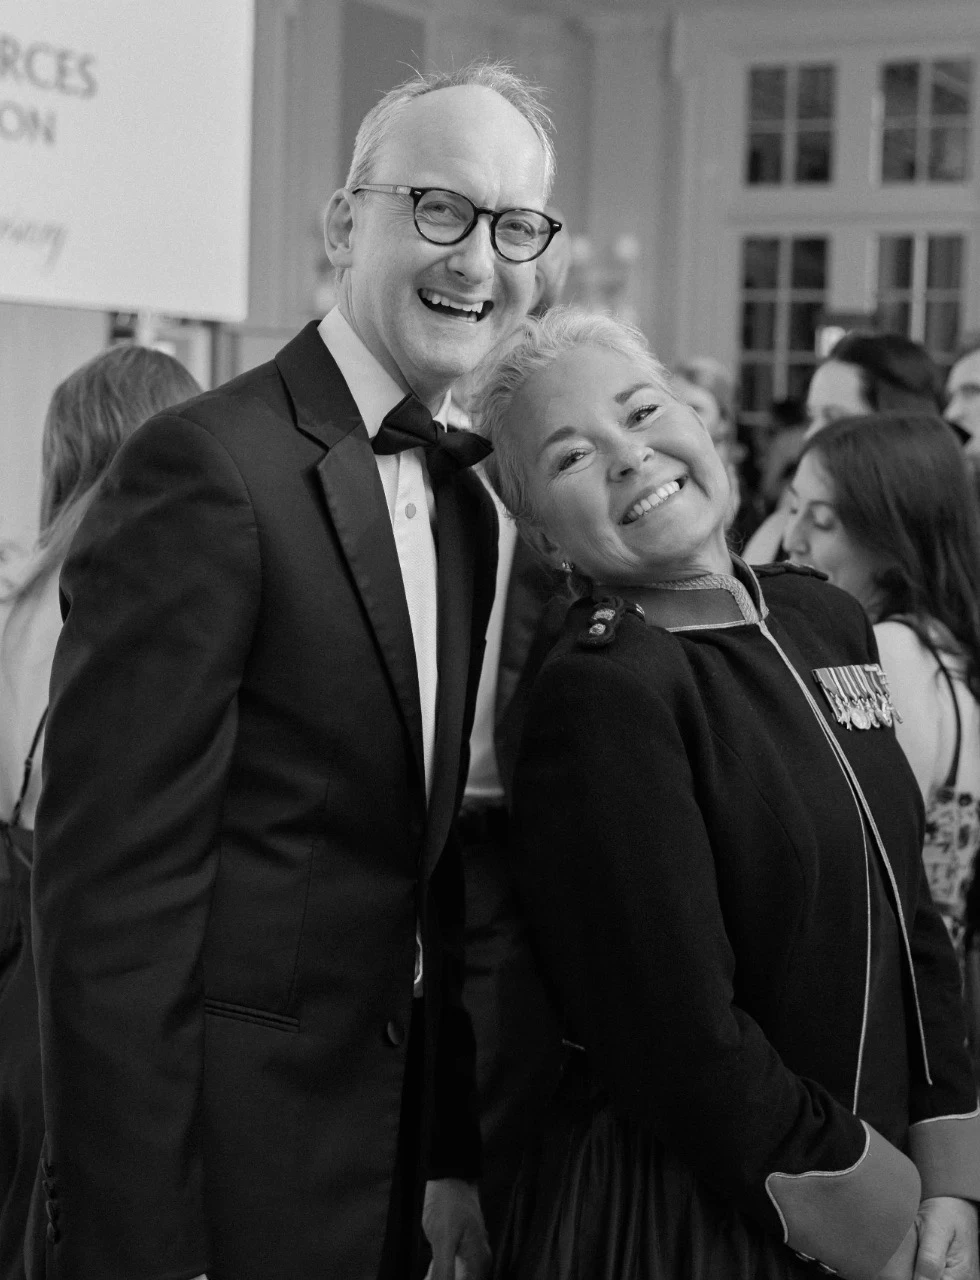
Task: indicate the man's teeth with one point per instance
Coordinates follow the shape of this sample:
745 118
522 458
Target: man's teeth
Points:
654 500
474 309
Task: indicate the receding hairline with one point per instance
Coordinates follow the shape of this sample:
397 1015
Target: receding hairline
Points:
497 77
428 103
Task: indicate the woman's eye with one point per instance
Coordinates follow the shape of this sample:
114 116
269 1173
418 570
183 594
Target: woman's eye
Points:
569 459
643 413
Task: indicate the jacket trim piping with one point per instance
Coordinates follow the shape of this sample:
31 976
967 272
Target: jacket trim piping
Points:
816 1173
963 1115
867 970
709 626
862 802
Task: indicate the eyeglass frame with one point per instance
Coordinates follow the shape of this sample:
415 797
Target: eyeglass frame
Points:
399 189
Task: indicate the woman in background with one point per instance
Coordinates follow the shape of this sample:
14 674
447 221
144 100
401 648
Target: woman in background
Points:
884 506
90 415
864 373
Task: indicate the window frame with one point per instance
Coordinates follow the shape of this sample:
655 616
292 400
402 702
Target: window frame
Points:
789 129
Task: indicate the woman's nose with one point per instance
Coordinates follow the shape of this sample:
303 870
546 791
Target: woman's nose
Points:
629 456
794 536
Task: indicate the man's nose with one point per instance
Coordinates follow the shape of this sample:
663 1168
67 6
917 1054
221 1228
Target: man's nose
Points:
473 258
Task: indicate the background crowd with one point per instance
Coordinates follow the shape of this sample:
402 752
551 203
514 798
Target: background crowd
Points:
220 645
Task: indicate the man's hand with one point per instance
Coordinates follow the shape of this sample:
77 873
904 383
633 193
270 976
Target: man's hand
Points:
453 1224
947 1240
900 1264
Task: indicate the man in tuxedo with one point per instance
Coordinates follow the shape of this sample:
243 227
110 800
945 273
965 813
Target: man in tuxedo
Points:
248 900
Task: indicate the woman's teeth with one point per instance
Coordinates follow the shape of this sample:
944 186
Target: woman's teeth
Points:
469 311
644 505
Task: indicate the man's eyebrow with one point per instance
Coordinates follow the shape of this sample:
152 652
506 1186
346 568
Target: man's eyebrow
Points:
622 396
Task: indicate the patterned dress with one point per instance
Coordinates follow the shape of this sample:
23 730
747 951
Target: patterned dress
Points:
952 836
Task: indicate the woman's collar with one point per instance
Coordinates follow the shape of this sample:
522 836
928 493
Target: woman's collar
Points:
708 601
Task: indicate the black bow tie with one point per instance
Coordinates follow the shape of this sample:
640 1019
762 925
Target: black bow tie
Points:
411 426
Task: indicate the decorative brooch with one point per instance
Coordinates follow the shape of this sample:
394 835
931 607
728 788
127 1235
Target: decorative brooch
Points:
858 695
604 621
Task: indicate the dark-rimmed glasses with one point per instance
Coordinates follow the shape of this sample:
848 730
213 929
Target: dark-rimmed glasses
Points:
446 217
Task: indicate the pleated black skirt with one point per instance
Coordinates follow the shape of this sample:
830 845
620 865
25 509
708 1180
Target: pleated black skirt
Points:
600 1198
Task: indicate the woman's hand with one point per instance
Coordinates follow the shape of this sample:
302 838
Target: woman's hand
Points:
947 1240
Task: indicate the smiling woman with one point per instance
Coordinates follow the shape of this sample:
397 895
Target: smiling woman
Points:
611 472
724 882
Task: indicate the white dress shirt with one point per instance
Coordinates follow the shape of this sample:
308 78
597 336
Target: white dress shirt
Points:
410 505
483 785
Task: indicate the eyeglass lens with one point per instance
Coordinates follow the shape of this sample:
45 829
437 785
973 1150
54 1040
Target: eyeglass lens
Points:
445 216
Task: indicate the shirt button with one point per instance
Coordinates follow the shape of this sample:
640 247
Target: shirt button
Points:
410 510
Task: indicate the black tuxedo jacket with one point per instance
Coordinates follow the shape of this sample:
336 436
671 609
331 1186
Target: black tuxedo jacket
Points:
234 845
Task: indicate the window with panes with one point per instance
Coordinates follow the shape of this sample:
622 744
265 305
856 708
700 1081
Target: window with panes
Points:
790 137
783 298
921 289
926 108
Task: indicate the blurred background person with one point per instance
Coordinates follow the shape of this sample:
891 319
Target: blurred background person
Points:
781 451
91 413
963 395
864 373
706 385
884 505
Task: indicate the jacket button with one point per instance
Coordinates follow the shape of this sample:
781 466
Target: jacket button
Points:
52 1211
394 1034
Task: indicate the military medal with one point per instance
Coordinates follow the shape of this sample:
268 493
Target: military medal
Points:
858 695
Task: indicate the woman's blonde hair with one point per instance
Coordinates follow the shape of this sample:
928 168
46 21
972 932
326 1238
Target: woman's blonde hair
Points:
538 344
90 415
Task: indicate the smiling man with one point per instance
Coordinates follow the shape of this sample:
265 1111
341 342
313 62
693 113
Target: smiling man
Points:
249 904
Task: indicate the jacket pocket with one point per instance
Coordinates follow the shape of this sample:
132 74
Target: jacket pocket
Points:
258 1017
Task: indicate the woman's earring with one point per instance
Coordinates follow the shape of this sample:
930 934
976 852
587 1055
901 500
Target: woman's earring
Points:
567 566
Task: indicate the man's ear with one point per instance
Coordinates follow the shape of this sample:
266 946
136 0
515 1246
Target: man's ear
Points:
338 229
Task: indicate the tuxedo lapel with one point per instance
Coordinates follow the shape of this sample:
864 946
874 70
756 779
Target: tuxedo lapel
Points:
456 571
358 510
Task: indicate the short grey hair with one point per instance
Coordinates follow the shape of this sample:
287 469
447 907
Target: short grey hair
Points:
497 76
538 344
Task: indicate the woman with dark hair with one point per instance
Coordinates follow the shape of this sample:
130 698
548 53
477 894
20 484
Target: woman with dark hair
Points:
864 373
90 415
884 506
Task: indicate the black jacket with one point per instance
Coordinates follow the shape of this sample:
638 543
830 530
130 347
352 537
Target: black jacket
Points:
695 869
233 844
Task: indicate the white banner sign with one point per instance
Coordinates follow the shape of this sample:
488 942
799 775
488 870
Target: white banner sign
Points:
125 142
